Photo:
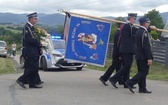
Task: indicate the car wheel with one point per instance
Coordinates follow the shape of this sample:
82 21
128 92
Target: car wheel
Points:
79 68
44 64
22 62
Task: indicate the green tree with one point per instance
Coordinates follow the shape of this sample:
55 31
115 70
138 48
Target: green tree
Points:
154 35
52 29
60 29
114 28
155 19
10 36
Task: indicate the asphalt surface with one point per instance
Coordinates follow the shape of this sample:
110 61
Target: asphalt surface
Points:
70 87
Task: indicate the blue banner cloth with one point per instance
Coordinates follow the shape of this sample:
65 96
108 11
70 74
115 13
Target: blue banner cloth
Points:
87 41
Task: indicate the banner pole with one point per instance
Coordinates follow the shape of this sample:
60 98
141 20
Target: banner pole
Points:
104 19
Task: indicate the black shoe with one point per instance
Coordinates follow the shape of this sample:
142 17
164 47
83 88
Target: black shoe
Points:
21 84
126 87
35 86
25 82
120 82
39 83
129 87
104 82
113 83
145 91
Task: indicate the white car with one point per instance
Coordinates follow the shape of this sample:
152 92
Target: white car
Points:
56 59
3 48
53 57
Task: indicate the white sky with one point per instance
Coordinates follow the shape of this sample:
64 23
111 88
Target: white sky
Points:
91 7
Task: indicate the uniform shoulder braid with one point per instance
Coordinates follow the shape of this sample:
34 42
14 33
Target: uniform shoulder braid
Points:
145 34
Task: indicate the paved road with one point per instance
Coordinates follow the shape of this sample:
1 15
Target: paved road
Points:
77 88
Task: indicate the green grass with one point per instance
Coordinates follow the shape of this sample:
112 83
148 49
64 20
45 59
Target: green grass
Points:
12 30
6 66
157 71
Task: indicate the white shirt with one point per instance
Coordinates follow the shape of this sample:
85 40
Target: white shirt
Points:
13 47
144 28
30 23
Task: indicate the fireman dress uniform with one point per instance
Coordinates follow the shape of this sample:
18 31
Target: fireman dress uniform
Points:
116 61
142 55
31 53
127 49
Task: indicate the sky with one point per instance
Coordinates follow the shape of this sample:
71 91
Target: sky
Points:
98 8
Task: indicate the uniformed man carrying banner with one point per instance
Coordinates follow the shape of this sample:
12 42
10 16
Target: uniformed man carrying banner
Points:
127 49
143 56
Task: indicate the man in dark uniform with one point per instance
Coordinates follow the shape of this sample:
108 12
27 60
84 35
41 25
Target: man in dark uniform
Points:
116 58
127 47
143 56
31 53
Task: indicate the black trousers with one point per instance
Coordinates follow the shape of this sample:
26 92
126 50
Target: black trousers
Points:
140 77
38 79
125 70
116 65
31 71
13 52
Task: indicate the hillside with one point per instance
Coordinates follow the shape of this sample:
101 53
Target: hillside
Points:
45 19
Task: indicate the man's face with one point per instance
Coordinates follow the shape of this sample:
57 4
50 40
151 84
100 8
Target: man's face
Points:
33 20
133 19
146 24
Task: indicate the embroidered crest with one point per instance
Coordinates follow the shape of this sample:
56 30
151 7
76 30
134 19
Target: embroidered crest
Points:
100 27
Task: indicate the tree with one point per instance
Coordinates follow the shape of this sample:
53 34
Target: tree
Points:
154 35
155 19
9 36
114 28
60 29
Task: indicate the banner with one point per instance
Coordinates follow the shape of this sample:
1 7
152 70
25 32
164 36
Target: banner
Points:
87 41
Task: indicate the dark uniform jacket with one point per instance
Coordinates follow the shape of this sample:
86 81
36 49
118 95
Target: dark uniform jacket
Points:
31 46
143 44
116 43
127 44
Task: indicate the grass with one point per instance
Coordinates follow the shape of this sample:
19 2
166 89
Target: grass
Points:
157 71
6 66
13 30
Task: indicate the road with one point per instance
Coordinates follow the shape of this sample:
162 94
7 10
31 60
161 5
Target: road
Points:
70 87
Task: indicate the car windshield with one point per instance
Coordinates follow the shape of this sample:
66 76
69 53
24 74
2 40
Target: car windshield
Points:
2 44
59 44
